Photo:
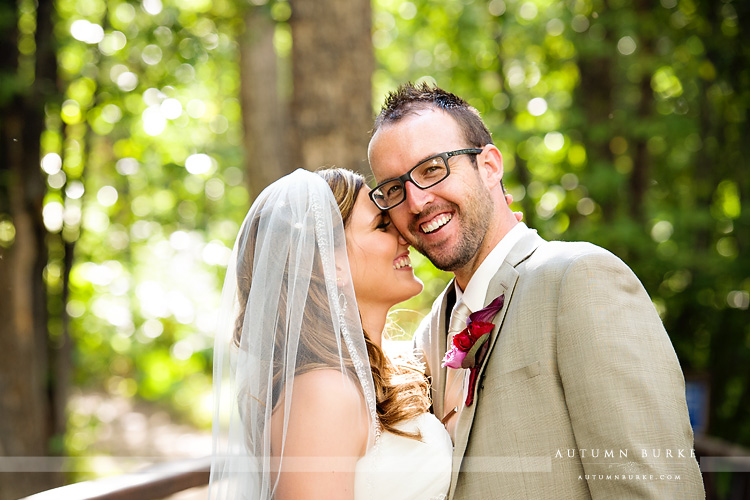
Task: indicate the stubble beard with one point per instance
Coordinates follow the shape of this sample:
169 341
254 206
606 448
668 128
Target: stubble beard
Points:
474 220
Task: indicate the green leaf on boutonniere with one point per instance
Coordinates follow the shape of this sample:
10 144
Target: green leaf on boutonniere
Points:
470 359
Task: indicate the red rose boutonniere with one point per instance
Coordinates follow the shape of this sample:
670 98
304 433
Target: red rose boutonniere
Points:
470 345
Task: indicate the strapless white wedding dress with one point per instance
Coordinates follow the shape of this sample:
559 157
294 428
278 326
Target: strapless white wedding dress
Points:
401 468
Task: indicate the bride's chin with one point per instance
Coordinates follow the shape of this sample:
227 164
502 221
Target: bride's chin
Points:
419 286
404 289
415 288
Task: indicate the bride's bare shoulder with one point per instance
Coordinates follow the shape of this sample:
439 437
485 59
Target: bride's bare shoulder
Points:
327 386
328 415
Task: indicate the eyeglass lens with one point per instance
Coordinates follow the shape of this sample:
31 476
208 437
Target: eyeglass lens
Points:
426 174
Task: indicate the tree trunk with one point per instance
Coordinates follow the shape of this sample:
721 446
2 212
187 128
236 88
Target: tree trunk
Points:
595 93
263 114
26 422
332 58
639 177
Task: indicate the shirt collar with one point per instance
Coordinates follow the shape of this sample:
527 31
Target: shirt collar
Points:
476 289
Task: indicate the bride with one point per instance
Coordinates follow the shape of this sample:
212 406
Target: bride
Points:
308 405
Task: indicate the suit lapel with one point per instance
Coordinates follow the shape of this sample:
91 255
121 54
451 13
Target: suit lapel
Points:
504 282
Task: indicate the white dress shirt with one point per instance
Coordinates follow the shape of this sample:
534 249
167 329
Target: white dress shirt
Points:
473 297
476 289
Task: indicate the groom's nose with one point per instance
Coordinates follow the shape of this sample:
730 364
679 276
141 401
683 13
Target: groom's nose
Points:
416 198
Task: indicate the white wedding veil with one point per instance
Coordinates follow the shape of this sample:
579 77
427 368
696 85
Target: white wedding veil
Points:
288 307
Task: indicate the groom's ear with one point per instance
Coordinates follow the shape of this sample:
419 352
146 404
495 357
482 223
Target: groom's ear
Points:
490 164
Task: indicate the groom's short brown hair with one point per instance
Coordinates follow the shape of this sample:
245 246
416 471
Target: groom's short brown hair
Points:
410 97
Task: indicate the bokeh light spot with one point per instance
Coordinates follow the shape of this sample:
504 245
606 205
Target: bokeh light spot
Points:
198 163
52 214
738 299
555 27
107 196
57 180
51 163
127 166
537 106
496 7
626 45
125 13
127 81
171 108
8 233
71 112
580 23
86 31
111 113
662 231
112 42
407 10
151 54
554 141
585 206
153 7
528 11
196 108
154 122
74 190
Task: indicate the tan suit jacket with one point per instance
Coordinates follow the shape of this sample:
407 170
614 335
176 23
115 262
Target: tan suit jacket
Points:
581 394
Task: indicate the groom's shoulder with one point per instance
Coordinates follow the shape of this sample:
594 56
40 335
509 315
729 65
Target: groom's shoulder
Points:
569 249
565 253
554 260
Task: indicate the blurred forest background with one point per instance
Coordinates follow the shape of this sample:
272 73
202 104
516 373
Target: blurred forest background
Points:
135 134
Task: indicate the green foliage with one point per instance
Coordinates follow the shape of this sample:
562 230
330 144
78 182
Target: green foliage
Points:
622 125
146 180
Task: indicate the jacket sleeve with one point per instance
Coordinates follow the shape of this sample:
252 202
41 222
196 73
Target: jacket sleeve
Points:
623 385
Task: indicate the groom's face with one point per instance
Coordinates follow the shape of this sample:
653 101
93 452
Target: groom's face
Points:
447 222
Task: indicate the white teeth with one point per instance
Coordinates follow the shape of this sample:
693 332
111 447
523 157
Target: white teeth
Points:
439 222
404 261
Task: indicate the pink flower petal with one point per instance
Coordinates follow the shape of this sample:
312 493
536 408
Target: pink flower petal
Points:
453 358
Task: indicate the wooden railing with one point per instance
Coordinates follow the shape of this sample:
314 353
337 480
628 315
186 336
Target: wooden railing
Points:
161 481
152 483
725 468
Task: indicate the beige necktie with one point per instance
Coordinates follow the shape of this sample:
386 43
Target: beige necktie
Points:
455 377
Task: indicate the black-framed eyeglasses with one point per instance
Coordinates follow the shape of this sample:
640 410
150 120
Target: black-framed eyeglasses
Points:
426 174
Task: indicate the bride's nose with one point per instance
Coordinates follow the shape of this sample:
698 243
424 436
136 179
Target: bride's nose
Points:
402 241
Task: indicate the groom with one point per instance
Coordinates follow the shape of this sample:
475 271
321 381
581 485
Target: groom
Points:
579 393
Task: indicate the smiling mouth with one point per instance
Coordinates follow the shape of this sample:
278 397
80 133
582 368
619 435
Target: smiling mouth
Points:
402 262
436 223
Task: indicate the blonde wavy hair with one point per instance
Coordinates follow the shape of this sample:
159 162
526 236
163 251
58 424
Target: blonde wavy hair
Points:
401 389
